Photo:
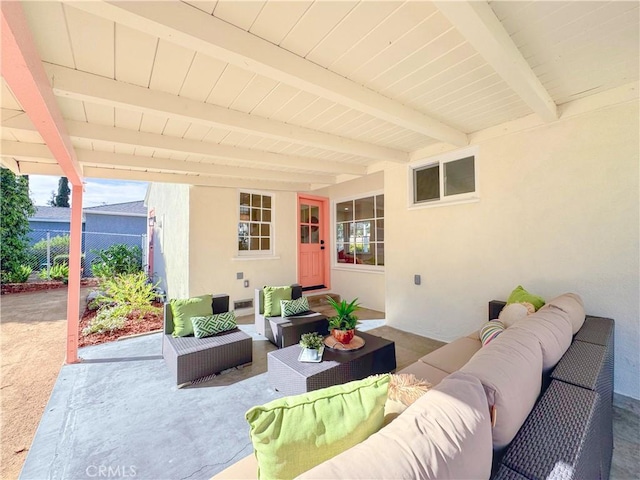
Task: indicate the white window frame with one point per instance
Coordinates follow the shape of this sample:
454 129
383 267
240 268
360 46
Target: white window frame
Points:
352 267
441 161
257 254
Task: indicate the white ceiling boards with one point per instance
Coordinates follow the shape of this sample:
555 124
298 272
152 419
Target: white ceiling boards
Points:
305 94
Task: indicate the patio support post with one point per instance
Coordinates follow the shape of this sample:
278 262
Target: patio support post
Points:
73 295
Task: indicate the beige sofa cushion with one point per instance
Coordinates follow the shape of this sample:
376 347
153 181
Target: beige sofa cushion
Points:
510 369
552 327
247 468
571 304
426 372
445 434
452 356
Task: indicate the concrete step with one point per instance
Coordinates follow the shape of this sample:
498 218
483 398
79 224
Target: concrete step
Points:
318 303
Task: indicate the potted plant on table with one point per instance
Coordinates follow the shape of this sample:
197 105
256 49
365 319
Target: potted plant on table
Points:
343 324
312 347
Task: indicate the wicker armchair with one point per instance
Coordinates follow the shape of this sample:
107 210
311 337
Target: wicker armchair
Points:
190 358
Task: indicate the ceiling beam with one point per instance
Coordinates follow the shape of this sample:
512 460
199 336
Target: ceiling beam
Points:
23 71
191 28
32 168
11 164
70 83
39 152
477 22
214 151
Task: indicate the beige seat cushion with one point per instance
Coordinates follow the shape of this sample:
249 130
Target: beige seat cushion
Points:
426 372
510 369
452 356
247 468
445 434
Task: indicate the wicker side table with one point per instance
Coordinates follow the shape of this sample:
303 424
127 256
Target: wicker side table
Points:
289 376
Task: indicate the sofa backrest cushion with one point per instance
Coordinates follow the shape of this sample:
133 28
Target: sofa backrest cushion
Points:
444 434
552 327
571 304
510 370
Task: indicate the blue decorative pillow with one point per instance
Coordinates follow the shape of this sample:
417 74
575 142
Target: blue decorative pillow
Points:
294 307
213 324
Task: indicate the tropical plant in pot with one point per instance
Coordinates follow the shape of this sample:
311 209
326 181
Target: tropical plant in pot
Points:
312 345
343 324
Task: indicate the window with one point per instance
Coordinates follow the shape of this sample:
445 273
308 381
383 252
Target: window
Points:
360 231
255 227
449 178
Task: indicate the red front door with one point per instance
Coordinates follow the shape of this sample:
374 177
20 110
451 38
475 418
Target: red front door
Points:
312 242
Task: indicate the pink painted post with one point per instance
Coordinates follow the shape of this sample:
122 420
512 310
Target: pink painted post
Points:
73 295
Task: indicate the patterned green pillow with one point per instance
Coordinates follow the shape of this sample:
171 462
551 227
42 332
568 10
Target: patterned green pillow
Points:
294 307
213 324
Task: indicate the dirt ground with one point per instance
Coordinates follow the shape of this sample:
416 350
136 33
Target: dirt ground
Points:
32 350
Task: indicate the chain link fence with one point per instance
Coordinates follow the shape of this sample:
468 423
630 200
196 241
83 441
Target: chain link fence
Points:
51 247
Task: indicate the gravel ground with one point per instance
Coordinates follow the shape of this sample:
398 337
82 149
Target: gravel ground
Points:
32 350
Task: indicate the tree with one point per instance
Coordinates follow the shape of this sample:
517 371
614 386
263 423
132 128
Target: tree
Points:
16 207
62 198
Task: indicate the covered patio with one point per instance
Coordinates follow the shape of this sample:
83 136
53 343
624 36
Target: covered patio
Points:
335 101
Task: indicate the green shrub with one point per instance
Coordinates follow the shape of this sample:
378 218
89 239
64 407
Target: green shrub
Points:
108 319
19 275
132 290
118 259
57 272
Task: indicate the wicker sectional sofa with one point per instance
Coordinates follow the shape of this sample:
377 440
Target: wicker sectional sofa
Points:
535 403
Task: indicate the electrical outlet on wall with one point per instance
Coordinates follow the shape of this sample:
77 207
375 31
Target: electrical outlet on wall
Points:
246 284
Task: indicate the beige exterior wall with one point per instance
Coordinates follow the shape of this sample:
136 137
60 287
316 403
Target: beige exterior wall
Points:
214 260
558 212
349 282
171 237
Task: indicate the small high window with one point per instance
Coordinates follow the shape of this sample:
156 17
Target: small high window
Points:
448 179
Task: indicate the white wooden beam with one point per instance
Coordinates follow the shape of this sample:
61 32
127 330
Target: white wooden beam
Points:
33 168
24 151
40 153
22 70
83 86
214 151
477 22
11 164
191 28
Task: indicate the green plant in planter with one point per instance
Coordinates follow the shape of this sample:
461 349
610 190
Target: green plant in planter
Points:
344 318
313 341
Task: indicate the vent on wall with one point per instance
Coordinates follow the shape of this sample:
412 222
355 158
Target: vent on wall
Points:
239 304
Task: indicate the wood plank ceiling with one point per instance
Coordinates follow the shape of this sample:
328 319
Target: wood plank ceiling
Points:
303 94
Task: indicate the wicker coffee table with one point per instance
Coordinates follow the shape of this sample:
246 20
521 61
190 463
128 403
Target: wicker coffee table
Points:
289 376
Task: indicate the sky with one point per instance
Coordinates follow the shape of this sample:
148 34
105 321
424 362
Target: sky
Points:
96 191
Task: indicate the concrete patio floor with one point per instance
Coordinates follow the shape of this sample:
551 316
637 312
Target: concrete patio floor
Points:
117 414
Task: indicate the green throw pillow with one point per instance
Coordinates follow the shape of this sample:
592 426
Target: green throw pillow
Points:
272 297
213 324
294 307
520 295
290 435
184 309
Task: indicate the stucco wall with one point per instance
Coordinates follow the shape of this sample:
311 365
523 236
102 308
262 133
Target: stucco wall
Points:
214 260
171 237
349 282
559 212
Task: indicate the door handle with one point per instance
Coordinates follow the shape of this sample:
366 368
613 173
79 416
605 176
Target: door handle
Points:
321 248
321 242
